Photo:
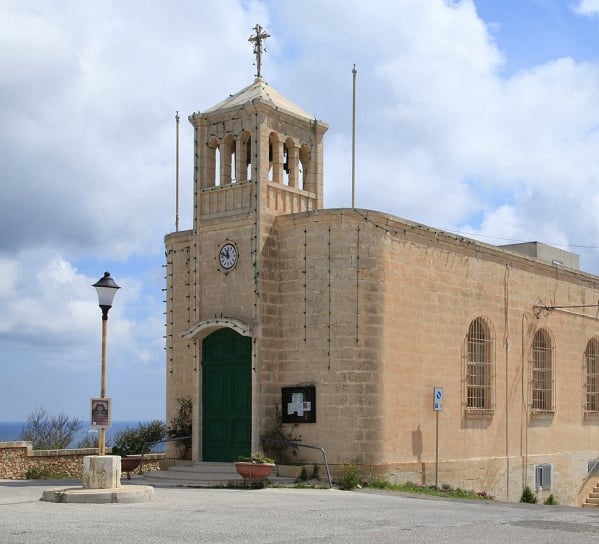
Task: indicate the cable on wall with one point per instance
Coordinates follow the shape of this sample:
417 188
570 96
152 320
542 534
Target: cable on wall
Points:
305 286
358 286
330 301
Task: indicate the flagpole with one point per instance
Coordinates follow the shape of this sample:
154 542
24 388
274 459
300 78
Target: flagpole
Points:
353 143
177 177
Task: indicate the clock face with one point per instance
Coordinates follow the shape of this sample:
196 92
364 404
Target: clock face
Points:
227 256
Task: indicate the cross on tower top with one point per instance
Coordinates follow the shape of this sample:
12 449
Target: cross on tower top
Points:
257 40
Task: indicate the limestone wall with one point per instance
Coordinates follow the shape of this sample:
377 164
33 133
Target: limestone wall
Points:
17 458
374 311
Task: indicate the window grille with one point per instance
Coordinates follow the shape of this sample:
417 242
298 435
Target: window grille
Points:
543 476
542 372
591 356
479 366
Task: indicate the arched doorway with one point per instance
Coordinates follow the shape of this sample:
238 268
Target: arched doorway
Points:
226 396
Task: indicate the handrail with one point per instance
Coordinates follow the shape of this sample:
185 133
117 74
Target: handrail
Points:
589 475
300 445
152 444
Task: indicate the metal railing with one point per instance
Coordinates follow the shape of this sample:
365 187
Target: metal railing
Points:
300 445
590 473
152 444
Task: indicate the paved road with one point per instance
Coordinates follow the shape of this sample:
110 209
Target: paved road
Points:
287 516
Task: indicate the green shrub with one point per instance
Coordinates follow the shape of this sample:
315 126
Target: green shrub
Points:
136 440
528 496
551 500
350 478
276 441
258 458
379 483
181 426
44 473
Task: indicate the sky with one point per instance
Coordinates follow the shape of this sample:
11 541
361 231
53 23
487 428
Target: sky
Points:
479 117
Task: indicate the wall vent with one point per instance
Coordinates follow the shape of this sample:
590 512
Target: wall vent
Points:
543 476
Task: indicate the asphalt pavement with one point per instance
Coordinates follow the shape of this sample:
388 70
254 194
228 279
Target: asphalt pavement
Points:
285 515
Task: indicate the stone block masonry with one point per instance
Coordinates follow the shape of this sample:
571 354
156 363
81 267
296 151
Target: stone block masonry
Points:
18 458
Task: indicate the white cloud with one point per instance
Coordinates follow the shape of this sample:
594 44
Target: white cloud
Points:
587 7
449 138
53 309
89 91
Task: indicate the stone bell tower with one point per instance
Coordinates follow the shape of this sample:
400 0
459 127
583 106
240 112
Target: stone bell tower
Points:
256 156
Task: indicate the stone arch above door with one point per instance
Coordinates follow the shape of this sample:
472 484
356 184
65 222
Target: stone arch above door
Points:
208 326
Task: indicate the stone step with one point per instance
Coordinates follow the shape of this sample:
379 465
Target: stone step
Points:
203 475
592 500
203 468
189 475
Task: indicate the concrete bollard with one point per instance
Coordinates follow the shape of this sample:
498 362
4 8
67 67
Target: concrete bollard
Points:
101 471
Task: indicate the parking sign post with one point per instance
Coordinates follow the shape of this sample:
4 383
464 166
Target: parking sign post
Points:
437 407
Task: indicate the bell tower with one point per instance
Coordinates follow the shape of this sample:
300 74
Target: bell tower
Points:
256 156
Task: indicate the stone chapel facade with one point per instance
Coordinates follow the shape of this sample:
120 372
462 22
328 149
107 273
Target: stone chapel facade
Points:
344 321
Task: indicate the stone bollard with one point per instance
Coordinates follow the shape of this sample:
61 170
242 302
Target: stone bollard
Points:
101 471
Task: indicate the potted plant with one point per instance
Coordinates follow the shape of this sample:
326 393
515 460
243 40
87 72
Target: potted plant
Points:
255 468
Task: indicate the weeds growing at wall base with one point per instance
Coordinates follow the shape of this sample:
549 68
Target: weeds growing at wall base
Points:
444 490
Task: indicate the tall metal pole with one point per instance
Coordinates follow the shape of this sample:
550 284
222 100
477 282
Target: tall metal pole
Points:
437 452
106 288
177 178
102 436
353 142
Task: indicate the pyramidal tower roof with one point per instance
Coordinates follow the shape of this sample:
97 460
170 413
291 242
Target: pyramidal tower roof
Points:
259 91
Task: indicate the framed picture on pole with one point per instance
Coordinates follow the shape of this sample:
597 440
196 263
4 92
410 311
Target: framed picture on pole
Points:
101 410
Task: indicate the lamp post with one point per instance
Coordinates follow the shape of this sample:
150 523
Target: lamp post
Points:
106 288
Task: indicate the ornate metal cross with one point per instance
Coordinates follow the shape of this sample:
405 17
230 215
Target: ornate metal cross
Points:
257 40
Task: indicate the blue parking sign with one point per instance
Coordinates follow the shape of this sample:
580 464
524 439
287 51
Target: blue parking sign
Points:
438 399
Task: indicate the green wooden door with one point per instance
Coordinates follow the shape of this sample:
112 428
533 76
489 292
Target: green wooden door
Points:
226 396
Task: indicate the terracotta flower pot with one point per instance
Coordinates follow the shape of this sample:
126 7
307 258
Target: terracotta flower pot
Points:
254 471
129 464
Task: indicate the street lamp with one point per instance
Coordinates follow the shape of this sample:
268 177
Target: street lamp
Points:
106 288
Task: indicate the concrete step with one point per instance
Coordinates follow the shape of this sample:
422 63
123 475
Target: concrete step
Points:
202 475
592 501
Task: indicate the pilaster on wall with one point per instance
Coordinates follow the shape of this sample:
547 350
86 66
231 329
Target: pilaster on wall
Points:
180 291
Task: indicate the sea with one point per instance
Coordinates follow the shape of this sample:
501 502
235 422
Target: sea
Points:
11 430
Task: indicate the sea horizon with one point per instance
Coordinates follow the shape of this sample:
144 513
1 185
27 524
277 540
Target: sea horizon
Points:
11 430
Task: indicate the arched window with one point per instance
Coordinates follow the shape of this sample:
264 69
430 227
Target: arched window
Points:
227 160
542 372
480 373
591 359
212 177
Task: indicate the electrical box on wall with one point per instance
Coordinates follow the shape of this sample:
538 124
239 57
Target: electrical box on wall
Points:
299 404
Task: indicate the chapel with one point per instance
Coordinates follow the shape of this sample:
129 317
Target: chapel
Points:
405 350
